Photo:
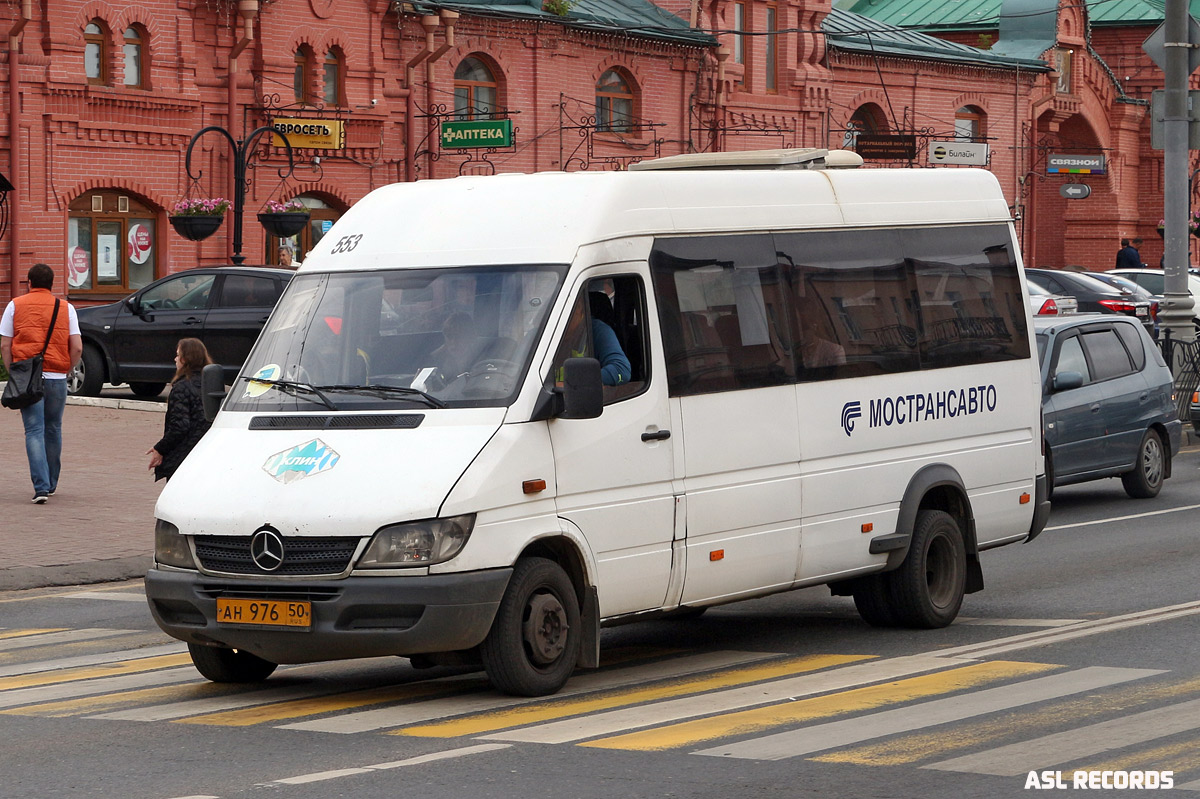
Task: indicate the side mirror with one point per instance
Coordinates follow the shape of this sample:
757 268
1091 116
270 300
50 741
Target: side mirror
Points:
212 389
1065 381
583 390
134 305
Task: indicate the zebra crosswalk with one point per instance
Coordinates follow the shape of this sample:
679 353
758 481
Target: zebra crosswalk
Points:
952 711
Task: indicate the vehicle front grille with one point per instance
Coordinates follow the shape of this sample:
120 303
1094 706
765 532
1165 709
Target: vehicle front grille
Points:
301 556
358 421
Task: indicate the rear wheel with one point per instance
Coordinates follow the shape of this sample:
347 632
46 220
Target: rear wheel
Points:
534 641
873 601
1146 478
147 389
927 589
229 665
87 378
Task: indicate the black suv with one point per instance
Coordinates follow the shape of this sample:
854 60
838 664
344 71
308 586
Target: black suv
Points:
133 341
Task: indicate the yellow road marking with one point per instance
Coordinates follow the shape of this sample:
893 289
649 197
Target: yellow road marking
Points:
1180 757
914 748
24 633
744 722
144 696
556 709
249 716
89 672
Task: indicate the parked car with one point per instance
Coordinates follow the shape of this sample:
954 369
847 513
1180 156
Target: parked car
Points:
1155 281
1107 403
1133 289
133 341
1092 295
1043 303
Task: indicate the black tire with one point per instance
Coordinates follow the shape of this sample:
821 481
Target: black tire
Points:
1149 470
927 590
872 599
86 379
147 389
229 665
533 645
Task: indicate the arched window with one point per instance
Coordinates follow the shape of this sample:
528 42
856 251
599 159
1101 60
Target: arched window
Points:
95 53
135 58
112 243
302 81
614 103
969 124
867 119
474 90
334 93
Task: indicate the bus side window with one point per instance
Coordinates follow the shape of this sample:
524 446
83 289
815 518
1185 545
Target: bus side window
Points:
607 322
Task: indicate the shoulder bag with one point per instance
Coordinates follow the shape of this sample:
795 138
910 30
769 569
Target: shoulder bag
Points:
24 386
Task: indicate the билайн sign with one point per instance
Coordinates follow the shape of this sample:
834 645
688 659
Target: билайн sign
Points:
310 134
477 133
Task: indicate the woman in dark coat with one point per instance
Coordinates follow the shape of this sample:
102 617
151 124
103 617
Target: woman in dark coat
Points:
185 422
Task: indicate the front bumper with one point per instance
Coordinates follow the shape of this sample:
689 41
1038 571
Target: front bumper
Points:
355 617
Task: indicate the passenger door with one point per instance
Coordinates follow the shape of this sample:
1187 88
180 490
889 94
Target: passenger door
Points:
237 317
731 375
614 472
1125 394
1073 418
144 343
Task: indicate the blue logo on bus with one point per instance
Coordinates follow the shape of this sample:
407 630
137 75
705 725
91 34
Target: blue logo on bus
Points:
850 412
312 457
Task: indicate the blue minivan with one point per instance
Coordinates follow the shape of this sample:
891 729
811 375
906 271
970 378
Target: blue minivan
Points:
1106 403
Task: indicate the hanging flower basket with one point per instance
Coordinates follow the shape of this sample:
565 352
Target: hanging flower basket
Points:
196 227
284 224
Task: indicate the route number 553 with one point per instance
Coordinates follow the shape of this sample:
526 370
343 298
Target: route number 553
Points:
346 244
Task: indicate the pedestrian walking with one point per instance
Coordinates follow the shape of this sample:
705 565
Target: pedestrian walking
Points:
1129 256
31 322
185 423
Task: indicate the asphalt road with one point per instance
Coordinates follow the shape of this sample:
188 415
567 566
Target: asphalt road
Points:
1081 653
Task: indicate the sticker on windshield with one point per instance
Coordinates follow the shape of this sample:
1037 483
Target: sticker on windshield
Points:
305 460
255 389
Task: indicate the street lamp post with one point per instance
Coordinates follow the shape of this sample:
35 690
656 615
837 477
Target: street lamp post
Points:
241 151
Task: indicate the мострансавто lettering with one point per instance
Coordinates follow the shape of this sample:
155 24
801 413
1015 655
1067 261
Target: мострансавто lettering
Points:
931 406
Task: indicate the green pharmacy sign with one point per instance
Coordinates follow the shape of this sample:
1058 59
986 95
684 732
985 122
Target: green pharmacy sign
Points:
477 133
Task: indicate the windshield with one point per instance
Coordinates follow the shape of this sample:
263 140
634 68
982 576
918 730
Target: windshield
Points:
433 338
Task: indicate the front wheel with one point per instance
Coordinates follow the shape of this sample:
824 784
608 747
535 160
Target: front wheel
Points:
534 641
873 601
87 378
928 587
1146 478
147 389
229 665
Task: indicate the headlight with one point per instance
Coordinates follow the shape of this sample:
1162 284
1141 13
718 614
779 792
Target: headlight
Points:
417 543
171 548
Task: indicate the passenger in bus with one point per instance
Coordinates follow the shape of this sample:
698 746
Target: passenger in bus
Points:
615 368
460 349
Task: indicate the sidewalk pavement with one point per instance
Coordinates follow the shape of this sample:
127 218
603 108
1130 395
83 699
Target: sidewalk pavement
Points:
99 526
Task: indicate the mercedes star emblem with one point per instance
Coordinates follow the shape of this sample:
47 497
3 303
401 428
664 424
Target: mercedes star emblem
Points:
266 550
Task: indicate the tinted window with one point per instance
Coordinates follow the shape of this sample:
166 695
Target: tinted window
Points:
972 309
186 292
1070 359
248 291
607 323
1107 354
724 316
1133 342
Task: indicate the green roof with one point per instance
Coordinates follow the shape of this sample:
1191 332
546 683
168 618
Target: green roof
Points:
847 30
626 17
971 14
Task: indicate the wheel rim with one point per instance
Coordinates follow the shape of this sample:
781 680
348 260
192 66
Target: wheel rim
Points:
941 572
75 379
1152 461
545 628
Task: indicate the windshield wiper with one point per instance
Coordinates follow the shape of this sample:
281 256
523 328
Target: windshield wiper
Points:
378 390
296 389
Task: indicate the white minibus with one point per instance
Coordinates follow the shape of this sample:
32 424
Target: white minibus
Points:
491 414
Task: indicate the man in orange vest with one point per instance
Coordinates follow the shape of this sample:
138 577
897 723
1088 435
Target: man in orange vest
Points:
23 330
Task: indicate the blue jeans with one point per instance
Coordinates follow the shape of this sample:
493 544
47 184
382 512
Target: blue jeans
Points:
43 436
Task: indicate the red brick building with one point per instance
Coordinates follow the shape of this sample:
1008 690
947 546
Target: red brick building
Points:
106 97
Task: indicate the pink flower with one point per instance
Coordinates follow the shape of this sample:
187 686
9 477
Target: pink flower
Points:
289 207
212 206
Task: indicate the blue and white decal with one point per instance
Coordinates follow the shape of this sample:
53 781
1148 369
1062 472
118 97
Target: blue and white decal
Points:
305 460
926 407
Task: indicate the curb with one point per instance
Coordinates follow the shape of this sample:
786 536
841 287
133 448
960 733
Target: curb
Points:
98 571
109 402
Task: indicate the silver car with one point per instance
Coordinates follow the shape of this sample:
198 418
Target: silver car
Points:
1107 403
